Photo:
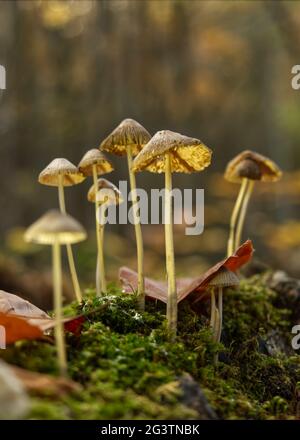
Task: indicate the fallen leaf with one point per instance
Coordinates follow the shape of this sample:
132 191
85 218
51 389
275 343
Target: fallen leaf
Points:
17 329
153 289
32 320
74 324
186 286
242 256
13 304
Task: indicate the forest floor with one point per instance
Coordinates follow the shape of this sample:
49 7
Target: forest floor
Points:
128 369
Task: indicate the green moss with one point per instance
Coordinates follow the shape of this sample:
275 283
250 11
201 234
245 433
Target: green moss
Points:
129 369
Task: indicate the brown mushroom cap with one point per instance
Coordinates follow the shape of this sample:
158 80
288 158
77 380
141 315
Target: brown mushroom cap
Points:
54 226
128 133
249 169
60 167
91 158
187 154
110 191
224 278
247 163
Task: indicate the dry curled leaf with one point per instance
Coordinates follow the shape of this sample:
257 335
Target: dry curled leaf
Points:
233 263
23 320
17 329
191 288
13 304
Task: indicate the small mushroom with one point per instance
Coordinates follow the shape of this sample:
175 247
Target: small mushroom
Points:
168 152
223 278
246 169
55 228
60 172
103 194
128 138
94 163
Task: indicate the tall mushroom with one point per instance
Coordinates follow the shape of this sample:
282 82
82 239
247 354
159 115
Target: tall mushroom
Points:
55 228
102 194
168 152
247 168
60 173
94 163
128 138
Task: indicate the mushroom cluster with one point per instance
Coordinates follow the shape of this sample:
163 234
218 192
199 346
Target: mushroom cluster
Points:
166 152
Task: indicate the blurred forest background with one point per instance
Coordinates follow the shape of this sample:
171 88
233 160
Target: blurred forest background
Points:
216 70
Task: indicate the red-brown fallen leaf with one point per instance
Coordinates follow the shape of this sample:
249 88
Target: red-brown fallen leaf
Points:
242 256
153 289
32 320
187 287
74 324
17 329
44 384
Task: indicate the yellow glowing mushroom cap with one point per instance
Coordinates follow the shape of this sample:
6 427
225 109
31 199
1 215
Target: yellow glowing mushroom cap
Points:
106 192
60 167
224 278
128 133
55 227
187 154
94 157
253 166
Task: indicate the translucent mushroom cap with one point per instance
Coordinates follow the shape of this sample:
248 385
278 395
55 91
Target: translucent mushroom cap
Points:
94 157
224 278
54 226
128 133
253 166
187 154
60 167
106 192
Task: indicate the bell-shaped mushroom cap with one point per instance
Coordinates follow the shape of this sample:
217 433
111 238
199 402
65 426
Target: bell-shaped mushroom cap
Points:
106 193
54 226
128 133
60 167
253 166
224 278
187 154
91 158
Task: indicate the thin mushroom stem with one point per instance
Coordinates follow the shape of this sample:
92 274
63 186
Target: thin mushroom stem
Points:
242 217
62 207
59 330
220 309
170 262
138 233
100 270
212 308
216 331
217 323
234 217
